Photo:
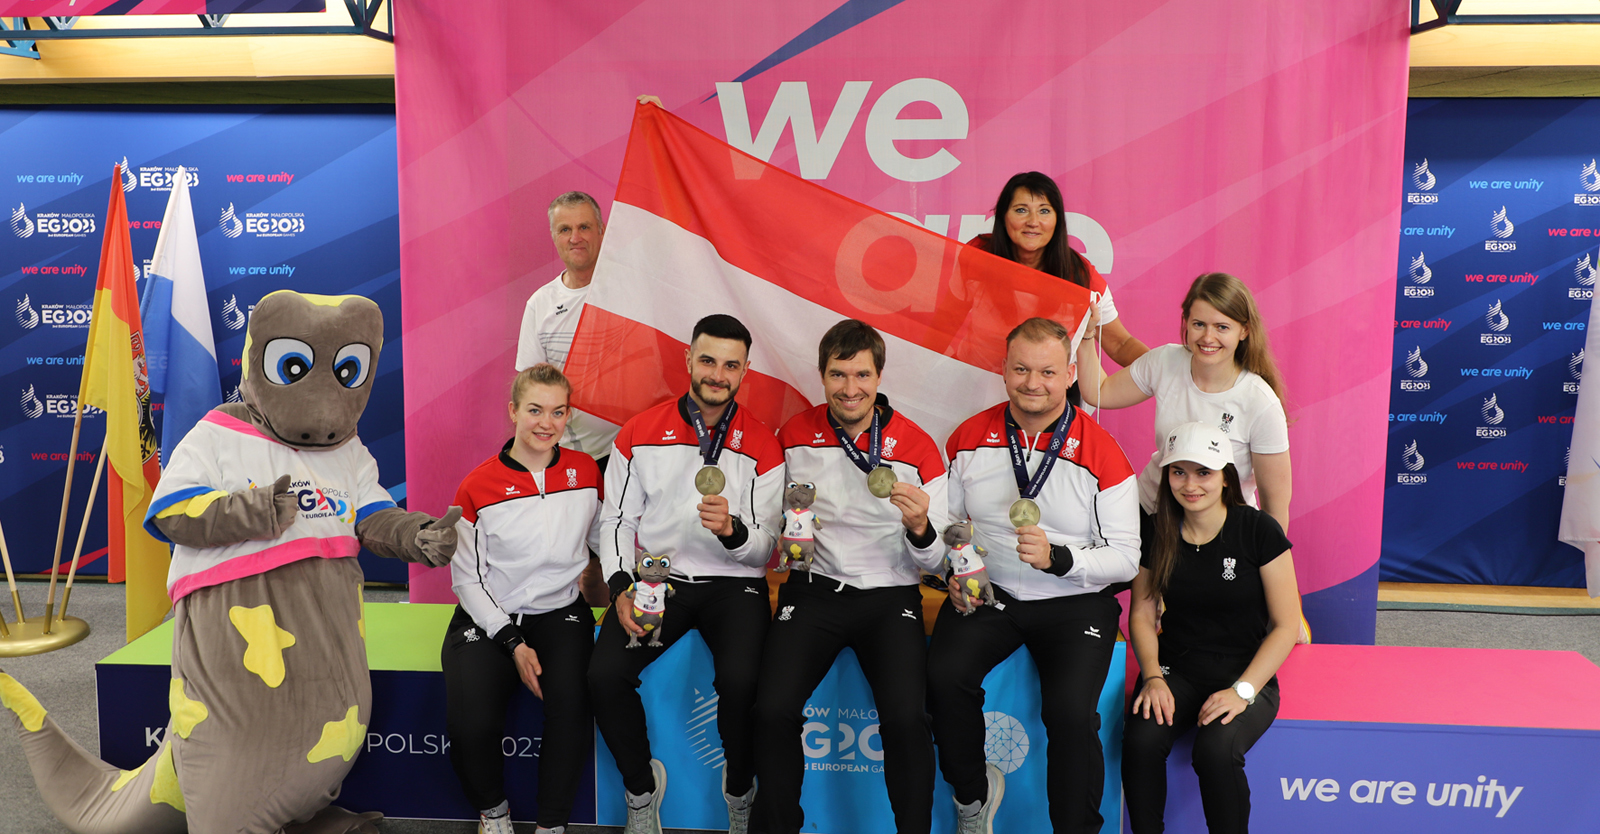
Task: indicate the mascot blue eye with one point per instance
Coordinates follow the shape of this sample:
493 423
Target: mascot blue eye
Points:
647 563
287 361
352 364
665 562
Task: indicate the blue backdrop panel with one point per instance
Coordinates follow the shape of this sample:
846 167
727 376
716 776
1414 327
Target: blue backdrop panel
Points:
1499 247
844 790
295 198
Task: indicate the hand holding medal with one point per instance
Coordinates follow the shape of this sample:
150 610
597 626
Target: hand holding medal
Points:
710 480
1032 546
881 480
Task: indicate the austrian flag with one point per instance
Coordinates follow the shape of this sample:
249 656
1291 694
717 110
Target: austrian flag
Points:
700 228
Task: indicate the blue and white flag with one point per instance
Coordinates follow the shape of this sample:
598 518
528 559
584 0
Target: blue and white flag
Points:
177 323
1580 506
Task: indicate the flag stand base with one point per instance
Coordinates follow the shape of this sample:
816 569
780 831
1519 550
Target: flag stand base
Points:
28 637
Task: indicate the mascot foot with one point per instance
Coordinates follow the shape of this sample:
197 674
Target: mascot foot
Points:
336 820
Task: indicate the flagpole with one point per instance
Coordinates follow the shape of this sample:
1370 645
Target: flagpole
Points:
66 495
83 530
11 579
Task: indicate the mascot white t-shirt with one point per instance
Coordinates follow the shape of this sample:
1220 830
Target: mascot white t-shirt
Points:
335 489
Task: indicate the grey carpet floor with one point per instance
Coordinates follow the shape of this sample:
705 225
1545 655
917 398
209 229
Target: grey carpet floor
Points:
64 682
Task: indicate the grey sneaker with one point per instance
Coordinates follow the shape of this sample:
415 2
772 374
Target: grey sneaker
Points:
560 829
978 817
738 806
644 810
495 825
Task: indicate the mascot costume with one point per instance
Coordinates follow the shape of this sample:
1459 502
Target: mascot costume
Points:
267 502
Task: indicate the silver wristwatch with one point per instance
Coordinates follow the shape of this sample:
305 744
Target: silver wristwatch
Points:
1245 691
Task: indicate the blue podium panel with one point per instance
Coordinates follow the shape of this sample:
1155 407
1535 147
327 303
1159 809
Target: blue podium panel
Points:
844 786
404 768
1335 777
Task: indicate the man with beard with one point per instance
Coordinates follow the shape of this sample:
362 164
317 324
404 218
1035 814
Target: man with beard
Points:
697 482
1054 501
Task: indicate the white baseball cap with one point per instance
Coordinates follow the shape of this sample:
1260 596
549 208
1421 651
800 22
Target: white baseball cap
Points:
1204 444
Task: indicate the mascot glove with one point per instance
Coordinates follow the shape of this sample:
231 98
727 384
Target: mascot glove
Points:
436 541
284 508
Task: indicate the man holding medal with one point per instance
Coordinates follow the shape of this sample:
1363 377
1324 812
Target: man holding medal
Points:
1054 501
699 481
880 495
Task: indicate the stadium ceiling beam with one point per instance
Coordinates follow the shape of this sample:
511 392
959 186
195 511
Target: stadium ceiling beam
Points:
1449 13
19 37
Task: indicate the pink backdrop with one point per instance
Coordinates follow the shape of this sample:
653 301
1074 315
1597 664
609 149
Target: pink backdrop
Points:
1252 136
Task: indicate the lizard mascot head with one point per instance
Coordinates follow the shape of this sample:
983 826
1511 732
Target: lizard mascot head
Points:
309 361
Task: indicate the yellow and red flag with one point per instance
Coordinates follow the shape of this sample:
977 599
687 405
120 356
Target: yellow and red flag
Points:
115 380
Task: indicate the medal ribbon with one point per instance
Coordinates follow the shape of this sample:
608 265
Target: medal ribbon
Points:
710 442
864 462
1030 487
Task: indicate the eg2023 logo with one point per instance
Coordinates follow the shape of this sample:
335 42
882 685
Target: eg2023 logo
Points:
235 224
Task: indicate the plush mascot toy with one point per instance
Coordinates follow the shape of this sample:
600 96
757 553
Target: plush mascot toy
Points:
966 566
649 596
800 525
268 501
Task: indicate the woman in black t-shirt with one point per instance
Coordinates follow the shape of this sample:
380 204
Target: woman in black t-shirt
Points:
1225 574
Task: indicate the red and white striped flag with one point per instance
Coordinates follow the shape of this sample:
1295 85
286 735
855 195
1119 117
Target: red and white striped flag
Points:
700 228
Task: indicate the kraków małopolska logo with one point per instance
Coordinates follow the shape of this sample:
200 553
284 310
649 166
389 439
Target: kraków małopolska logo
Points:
1424 180
229 223
274 223
1497 321
1493 416
1584 272
842 739
26 315
21 226
32 407
1575 367
1501 227
1413 461
1589 180
1420 274
52 223
232 317
701 727
164 177
1005 741
129 181
1417 369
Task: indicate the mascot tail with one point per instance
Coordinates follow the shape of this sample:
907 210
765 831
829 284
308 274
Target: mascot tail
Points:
86 794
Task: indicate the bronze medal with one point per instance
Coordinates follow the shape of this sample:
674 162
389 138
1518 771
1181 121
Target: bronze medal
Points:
1024 513
881 481
710 480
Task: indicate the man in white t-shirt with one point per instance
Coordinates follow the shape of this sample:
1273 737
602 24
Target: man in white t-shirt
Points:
551 316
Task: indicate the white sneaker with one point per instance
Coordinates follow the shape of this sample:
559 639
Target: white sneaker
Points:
738 806
495 825
978 817
644 810
560 829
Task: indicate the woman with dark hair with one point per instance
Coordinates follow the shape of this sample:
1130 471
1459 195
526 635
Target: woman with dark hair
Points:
1223 375
1224 572
1030 213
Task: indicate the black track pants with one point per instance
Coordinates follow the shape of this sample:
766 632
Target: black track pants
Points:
732 614
480 679
1218 755
815 622
1072 640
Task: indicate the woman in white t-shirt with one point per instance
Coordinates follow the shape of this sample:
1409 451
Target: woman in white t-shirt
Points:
1222 375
